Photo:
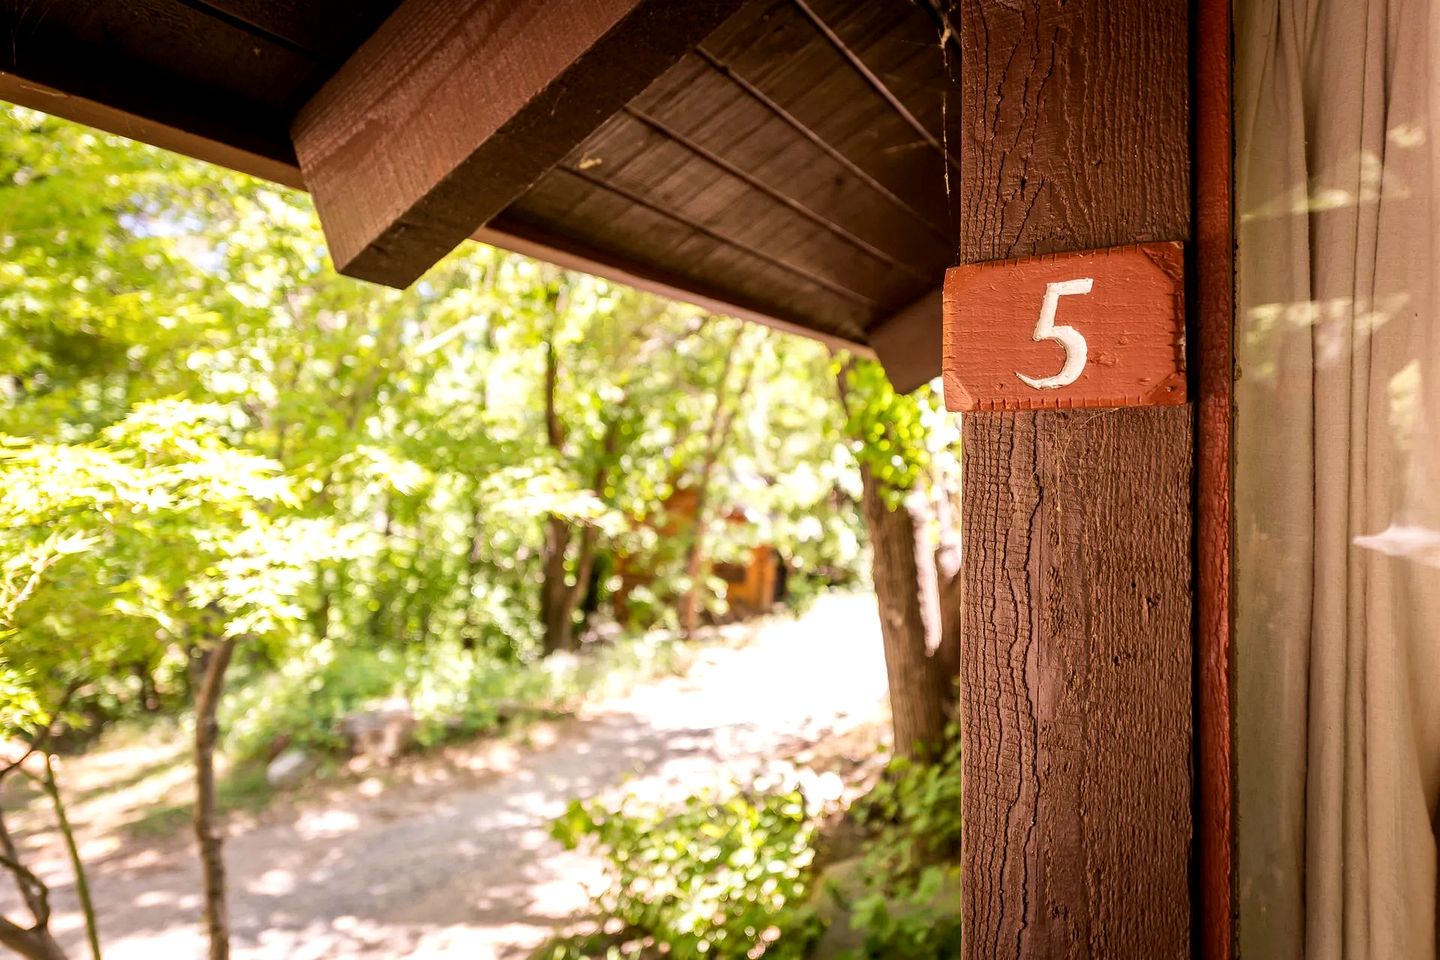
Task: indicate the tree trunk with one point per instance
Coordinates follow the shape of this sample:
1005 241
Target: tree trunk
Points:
35 942
949 585
906 591
918 593
559 597
555 613
584 567
716 437
559 631
208 834
322 610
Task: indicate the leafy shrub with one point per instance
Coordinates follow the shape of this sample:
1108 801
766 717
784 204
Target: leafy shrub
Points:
726 878
909 909
454 692
714 878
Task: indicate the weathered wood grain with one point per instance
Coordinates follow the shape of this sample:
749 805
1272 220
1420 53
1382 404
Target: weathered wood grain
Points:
1076 703
1075 684
454 107
1075 125
1130 321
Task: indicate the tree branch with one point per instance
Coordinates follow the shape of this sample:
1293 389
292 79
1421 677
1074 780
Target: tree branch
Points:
32 889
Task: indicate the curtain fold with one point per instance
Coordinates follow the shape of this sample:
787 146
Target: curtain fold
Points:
1337 486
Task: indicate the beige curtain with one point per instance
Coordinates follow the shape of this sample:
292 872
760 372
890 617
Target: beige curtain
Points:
1338 492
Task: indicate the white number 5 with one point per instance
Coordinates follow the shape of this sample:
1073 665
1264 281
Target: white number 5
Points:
1071 339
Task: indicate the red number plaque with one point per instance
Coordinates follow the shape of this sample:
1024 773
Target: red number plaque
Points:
1100 328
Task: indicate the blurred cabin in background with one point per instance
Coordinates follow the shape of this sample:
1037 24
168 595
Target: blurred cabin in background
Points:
752 585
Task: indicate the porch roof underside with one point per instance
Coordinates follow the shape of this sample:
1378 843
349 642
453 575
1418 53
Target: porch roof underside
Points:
791 169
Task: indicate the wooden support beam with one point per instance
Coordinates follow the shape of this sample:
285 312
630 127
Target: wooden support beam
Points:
1076 680
454 107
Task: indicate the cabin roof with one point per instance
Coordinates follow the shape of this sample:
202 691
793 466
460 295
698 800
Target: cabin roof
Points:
791 168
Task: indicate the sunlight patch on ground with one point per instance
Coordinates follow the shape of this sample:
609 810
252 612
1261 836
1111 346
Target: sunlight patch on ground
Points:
326 823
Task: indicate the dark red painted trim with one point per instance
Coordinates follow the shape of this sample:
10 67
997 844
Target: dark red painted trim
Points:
1213 361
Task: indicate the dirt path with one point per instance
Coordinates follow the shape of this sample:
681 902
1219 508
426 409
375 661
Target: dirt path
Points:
454 860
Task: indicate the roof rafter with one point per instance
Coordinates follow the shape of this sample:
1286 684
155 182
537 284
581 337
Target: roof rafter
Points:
452 109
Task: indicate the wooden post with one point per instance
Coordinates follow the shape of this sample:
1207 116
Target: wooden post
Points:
1076 681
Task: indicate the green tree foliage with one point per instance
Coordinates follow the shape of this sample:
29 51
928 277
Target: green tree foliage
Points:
411 431
888 429
152 528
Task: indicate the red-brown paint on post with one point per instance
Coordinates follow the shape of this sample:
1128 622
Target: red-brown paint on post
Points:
1097 328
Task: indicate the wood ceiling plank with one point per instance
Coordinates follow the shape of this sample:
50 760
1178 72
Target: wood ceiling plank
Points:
901 48
786 265
778 51
860 173
640 160
909 54
327 30
452 109
161 35
775 193
573 253
564 201
713 114
264 160
877 80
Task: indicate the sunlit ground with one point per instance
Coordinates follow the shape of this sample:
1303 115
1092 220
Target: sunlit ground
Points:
449 856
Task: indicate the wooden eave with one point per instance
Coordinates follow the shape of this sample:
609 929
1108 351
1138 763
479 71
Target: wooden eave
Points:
790 167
